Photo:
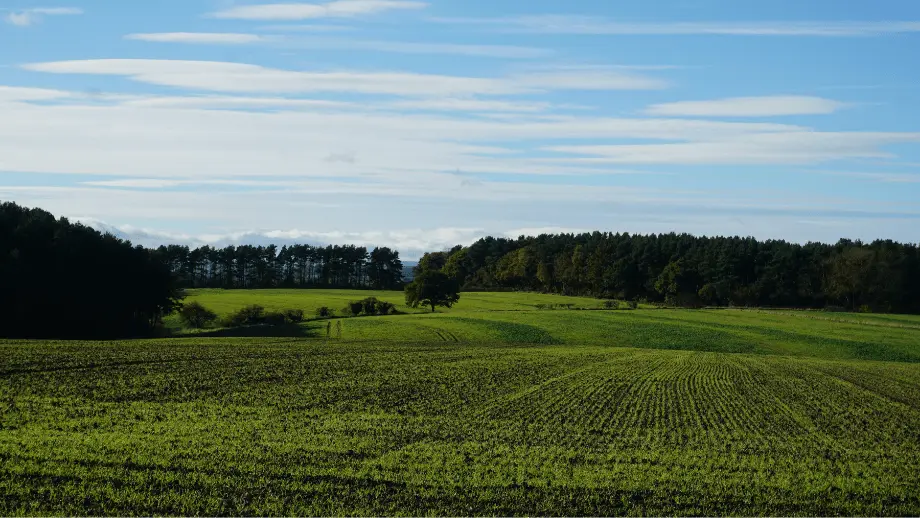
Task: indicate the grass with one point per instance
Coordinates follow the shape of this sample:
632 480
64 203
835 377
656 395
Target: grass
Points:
493 408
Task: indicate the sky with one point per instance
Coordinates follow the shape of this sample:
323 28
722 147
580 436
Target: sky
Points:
425 124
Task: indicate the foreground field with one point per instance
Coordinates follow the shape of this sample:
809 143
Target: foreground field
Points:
475 411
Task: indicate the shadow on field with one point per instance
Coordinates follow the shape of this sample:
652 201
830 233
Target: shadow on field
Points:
287 330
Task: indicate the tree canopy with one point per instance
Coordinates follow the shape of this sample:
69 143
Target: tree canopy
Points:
290 266
432 288
881 276
65 280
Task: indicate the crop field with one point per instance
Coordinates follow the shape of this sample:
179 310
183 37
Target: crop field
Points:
492 408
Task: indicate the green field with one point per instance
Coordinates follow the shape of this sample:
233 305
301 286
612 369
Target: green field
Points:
493 407
224 302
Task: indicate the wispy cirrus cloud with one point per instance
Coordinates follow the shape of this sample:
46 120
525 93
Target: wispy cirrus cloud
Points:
794 147
482 51
305 28
287 41
207 102
766 106
197 37
391 150
302 11
595 25
27 17
18 93
238 77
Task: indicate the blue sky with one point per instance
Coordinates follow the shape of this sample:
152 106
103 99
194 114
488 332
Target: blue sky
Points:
426 124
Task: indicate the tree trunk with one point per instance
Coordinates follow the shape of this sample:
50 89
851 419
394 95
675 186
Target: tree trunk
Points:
432 307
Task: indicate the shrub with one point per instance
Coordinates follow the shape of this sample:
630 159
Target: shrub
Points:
386 308
353 309
632 304
295 316
197 316
248 316
611 304
275 318
325 312
370 307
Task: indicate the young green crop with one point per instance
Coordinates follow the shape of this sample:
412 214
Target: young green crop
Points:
473 412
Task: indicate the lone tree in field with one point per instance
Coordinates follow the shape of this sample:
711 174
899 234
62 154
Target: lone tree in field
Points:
432 288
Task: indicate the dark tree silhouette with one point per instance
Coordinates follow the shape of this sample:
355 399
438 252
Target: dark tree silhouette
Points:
294 266
65 280
432 288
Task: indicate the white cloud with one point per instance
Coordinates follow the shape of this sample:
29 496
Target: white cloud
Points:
56 11
20 19
13 93
472 105
336 9
769 106
489 51
411 243
219 102
197 37
305 28
139 183
175 137
26 17
289 42
237 77
750 149
592 25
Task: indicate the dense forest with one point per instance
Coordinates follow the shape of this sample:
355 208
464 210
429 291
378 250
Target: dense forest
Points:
684 270
297 266
64 280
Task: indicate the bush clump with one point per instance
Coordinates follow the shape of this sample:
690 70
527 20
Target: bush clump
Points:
294 316
325 312
196 316
256 315
248 316
369 307
353 309
274 318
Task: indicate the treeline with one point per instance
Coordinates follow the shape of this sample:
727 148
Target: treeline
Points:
296 266
64 280
685 270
